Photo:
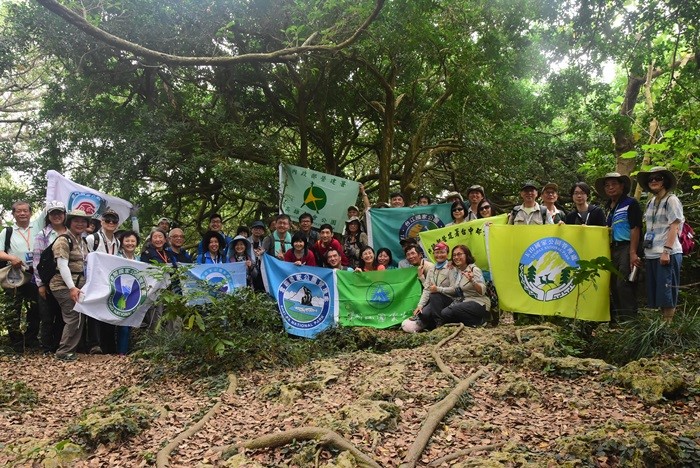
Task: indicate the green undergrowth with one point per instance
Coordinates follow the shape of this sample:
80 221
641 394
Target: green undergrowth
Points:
244 331
16 394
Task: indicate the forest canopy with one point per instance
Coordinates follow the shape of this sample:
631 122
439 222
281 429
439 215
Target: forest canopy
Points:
418 96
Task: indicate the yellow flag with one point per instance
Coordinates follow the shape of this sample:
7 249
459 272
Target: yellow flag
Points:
528 267
472 234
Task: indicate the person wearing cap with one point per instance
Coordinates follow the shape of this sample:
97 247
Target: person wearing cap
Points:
663 253
452 197
164 225
17 249
70 252
101 337
583 212
354 241
256 240
475 194
550 195
625 221
306 222
51 322
529 212
432 300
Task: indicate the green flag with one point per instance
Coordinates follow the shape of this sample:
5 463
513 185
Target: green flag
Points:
378 299
326 197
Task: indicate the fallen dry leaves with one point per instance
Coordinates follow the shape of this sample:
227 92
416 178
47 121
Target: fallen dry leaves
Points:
558 407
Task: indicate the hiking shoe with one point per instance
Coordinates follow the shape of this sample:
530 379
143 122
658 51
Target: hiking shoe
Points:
67 357
95 350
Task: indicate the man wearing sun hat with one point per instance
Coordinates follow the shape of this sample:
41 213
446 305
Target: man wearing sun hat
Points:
662 249
625 221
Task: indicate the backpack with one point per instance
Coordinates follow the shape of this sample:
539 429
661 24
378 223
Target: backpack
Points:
516 208
8 236
47 267
687 238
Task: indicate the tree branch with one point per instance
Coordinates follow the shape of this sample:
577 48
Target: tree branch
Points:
101 35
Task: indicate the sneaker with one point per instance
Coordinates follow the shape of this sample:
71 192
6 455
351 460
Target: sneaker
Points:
67 357
95 350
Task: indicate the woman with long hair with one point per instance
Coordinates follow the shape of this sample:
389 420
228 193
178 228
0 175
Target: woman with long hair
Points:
369 260
458 211
354 241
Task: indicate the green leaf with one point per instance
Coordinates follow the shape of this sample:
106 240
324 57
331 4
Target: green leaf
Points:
629 155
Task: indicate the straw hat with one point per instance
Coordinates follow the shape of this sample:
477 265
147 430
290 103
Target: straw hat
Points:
623 179
670 181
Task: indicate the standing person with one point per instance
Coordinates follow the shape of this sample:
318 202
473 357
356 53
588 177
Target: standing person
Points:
129 241
242 251
397 200
51 326
101 337
279 240
529 212
300 254
625 220
164 225
583 212
458 213
663 253
256 240
306 227
485 209
550 196
424 200
452 197
215 224
354 241
17 249
176 239
216 248
432 300
475 194
156 253
325 242
70 252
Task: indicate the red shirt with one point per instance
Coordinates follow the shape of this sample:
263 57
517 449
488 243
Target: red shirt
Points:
309 259
320 251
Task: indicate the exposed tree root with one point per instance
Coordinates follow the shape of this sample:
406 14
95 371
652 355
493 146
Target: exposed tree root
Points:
438 360
461 453
435 415
323 436
532 327
163 457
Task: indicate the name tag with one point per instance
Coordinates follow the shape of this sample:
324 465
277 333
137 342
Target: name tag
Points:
28 257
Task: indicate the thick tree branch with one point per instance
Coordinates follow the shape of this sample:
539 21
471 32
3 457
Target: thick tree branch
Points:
81 23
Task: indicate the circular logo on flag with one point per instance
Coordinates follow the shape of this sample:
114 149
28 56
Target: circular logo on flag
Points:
417 223
127 291
219 279
90 203
304 300
380 295
315 198
544 269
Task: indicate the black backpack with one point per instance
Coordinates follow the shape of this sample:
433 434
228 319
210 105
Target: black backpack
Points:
8 236
47 267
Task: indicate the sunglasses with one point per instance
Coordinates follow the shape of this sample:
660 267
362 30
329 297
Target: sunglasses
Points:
110 221
457 209
656 178
485 207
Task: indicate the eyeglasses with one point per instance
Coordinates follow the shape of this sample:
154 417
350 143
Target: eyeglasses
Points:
485 207
656 178
457 209
459 254
109 221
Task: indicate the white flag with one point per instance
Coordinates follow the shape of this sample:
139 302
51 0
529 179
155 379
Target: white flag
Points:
80 197
117 290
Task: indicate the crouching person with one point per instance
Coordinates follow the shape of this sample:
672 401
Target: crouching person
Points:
433 300
70 250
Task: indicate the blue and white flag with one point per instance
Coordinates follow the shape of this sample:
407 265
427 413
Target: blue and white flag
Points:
387 227
117 290
80 197
222 278
305 295
326 197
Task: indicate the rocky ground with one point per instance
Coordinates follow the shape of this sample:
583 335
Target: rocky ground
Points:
531 406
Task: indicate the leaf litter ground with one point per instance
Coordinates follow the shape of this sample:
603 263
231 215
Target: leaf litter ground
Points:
377 401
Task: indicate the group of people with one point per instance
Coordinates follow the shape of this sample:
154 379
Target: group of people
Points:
455 289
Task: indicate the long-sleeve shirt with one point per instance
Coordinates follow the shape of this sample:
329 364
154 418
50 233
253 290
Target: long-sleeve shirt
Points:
438 275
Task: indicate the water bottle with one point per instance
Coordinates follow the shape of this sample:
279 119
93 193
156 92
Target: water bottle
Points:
633 275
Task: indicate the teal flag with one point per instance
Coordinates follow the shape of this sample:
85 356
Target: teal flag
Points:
386 227
326 197
377 299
